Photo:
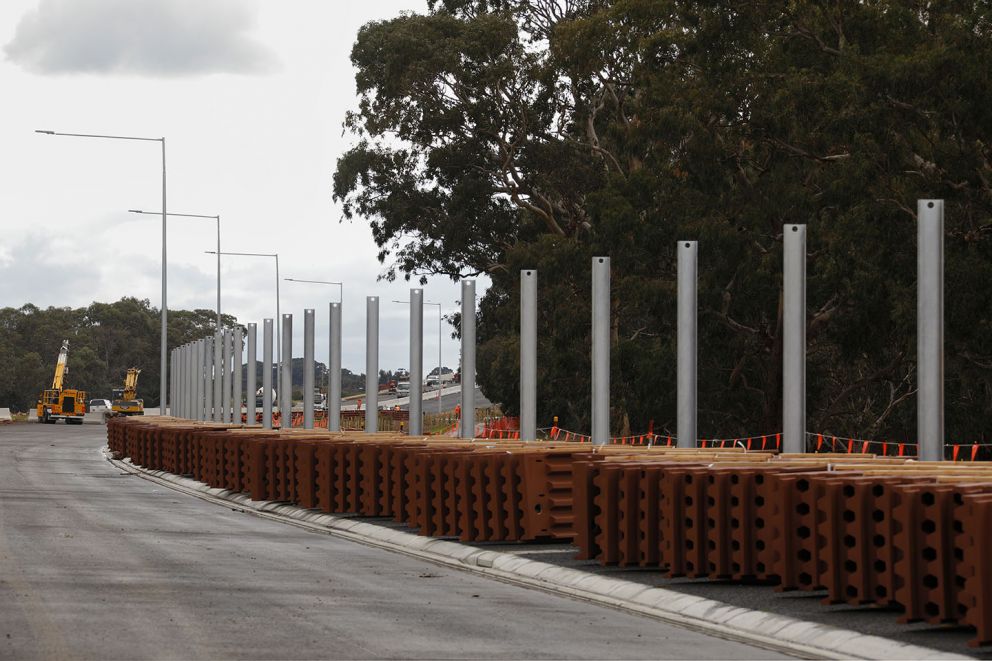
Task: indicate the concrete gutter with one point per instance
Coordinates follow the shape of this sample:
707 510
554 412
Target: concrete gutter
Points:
780 633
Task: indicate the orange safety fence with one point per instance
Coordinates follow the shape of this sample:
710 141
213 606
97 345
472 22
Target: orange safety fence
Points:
827 443
762 442
558 434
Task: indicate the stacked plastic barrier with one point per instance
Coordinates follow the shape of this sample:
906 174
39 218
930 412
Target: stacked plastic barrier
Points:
884 531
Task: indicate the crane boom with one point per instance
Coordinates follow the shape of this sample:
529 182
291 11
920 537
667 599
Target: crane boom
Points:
61 366
131 383
126 400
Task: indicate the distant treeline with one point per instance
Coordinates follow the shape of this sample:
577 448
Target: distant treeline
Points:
105 339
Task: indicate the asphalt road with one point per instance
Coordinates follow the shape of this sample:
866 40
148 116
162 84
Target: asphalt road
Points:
96 564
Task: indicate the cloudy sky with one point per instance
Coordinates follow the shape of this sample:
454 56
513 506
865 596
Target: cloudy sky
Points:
250 96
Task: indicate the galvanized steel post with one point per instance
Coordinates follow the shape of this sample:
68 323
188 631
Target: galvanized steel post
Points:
228 339
600 350
198 380
239 349
528 355
308 366
219 376
930 329
202 374
267 374
192 381
687 352
794 340
206 368
178 404
334 371
187 381
173 383
172 386
208 378
252 377
468 359
371 365
286 381
416 362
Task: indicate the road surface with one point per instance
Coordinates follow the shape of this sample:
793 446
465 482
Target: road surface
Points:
96 564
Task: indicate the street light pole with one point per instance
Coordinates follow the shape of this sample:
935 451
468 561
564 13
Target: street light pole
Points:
196 215
163 353
254 254
333 409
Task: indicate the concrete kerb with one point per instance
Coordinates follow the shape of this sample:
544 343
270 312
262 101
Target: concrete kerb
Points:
767 630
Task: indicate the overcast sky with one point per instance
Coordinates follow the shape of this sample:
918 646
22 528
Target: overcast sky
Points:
250 97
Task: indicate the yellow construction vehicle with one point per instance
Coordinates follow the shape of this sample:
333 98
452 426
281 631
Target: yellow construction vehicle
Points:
58 403
126 400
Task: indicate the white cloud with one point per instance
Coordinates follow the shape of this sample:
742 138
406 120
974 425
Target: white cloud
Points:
167 38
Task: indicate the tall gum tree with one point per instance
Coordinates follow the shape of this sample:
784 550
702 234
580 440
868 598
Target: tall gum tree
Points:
493 136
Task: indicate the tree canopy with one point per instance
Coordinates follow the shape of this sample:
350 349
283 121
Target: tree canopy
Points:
496 135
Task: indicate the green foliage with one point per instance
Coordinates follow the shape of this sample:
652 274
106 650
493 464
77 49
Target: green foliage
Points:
499 135
105 339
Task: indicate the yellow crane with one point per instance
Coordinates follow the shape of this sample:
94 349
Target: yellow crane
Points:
57 402
126 400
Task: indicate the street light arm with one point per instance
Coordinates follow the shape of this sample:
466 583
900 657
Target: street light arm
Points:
94 135
181 215
244 254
